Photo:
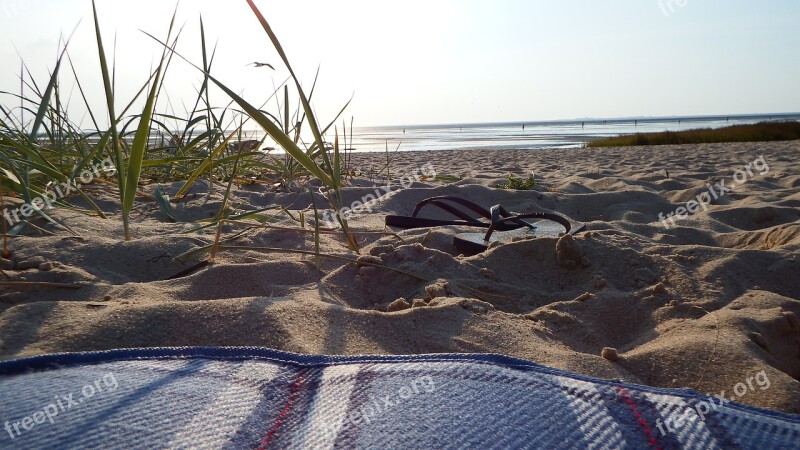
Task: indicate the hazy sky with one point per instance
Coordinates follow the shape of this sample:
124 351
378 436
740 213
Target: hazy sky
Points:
440 61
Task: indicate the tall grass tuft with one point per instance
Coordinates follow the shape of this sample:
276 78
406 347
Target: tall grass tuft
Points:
316 159
130 169
50 150
194 145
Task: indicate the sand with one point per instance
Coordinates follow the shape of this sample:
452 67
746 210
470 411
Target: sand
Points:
710 303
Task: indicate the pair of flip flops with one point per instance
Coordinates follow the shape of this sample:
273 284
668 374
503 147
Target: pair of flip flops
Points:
503 226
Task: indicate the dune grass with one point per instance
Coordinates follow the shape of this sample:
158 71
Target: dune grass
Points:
519 184
49 147
759 132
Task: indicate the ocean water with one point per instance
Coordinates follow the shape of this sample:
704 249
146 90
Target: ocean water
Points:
531 135
511 135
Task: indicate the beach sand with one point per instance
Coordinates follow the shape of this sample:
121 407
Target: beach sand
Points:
708 304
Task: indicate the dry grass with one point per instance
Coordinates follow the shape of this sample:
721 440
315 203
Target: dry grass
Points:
759 132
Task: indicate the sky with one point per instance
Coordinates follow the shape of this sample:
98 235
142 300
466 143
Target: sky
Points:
433 61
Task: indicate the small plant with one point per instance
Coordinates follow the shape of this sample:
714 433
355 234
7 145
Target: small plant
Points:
519 184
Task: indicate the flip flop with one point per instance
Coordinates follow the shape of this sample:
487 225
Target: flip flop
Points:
502 226
551 225
441 202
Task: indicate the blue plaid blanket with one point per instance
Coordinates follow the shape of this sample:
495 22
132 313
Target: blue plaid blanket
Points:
261 398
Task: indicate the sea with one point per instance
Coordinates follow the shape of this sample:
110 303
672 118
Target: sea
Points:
532 135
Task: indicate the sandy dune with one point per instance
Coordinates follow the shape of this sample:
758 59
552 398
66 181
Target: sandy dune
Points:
706 304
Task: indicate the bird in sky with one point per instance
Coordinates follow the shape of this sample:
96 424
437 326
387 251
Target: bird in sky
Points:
258 64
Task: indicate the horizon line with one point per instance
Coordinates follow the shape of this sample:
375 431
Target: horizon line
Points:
594 120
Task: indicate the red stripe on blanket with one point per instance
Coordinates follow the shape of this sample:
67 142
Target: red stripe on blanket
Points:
651 439
294 391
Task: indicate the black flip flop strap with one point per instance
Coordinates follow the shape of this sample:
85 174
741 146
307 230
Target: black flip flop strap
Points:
456 212
421 222
467 220
537 215
437 201
499 213
494 214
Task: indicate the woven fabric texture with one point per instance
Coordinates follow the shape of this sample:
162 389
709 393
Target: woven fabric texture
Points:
260 398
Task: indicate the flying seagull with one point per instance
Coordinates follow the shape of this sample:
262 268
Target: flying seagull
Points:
258 64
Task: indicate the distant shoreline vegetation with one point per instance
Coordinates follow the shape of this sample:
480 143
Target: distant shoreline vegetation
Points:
758 132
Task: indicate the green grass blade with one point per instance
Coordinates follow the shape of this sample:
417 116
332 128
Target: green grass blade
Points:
109 91
136 154
204 165
304 100
163 203
278 135
45 103
268 125
337 163
286 109
140 139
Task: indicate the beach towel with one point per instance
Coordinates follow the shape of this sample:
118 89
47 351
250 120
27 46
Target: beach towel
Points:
206 397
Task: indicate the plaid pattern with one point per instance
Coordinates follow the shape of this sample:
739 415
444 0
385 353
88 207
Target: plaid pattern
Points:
260 398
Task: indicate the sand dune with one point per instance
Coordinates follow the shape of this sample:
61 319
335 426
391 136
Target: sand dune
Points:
704 304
